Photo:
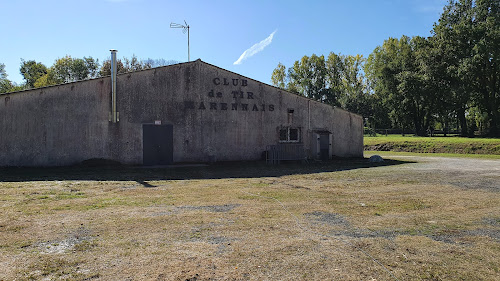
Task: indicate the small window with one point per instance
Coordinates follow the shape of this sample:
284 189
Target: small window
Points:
289 134
294 134
284 134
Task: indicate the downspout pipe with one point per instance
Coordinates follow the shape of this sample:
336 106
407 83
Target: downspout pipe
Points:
114 113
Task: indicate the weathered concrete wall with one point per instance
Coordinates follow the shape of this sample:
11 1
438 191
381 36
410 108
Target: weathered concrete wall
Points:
347 134
56 125
216 114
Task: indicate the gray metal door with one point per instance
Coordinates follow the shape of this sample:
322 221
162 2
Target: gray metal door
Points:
157 142
324 146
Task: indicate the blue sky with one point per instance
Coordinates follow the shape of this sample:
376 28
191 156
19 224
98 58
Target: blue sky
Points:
221 31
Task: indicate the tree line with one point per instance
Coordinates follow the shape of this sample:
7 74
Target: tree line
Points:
450 79
68 69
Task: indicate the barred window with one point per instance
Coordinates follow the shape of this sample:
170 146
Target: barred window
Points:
294 134
284 134
289 134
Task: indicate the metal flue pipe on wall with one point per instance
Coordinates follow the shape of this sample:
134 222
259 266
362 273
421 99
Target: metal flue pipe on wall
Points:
114 114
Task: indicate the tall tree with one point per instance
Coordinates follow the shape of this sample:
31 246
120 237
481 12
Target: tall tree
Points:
468 32
337 81
68 69
335 77
3 73
5 84
278 77
486 61
105 69
354 96
381 68
158 62
32 71
308 77
401 73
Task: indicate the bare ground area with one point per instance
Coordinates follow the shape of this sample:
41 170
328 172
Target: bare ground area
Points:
420 218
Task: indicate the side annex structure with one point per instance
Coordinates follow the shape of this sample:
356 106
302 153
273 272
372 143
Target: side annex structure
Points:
188 112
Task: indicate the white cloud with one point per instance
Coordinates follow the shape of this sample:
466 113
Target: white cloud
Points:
255 49
430 9
429 6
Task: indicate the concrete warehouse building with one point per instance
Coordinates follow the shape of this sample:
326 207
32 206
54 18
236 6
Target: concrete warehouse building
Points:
188 112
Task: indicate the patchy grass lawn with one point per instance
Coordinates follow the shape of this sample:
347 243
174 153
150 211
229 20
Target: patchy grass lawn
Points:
343 220
455 145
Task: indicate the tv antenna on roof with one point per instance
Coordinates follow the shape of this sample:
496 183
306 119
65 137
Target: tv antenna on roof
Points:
184 28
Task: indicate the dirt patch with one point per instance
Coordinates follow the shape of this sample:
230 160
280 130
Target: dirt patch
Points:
73 241
478 184
342 227
493 221
328 218
223 243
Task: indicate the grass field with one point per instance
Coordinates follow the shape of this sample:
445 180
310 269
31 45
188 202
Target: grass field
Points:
342 220
369 153
456 145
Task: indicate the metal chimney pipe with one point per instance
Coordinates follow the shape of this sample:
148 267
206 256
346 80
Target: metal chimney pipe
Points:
114 114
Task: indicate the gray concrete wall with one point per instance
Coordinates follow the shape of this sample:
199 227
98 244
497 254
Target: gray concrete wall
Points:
57 125
216 114
347 134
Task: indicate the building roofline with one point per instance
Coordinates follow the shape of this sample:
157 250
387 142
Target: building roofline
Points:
96 78
278 88
177 64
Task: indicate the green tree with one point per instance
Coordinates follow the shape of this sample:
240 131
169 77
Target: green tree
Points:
354 95
278 77
32 71
337 81
158 62
92 66
133 64
308 77
5 84
381 68
485 61
335 76
48 79
68 69
3 73
401 73
468 33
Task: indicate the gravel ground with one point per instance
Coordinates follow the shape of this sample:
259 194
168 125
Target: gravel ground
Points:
467 173
461 172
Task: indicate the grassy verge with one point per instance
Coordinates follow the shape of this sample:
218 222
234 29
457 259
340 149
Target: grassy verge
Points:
453 145
369 153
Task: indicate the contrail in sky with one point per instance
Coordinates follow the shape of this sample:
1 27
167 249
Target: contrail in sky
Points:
255 49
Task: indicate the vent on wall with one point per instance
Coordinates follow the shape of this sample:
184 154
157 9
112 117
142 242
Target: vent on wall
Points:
290 115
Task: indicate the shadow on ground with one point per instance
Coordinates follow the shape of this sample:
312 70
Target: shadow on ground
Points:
255 169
